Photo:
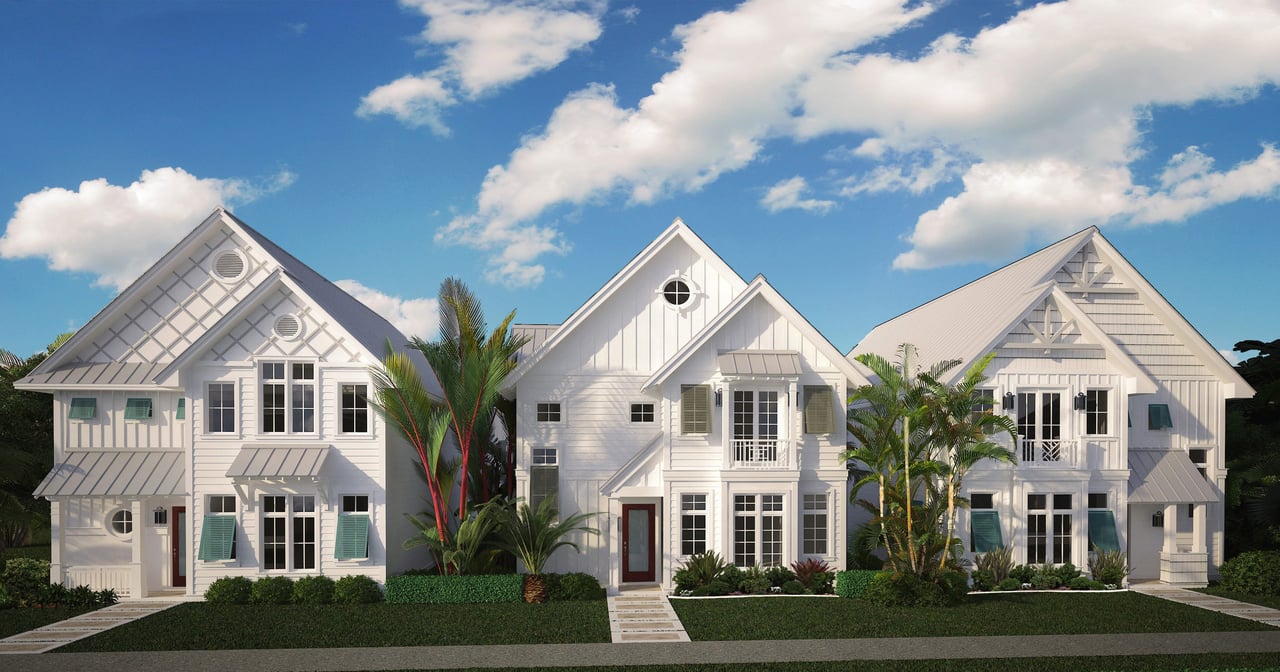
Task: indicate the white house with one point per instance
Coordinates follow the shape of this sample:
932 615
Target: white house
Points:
212 421
694 411
1119 403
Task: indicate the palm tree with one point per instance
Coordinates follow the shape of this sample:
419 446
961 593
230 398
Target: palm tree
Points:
533 535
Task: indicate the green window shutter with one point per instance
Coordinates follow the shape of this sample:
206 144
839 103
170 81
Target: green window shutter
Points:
83 408
819 418
1158 417
1102 530
544 482
695 409
353 537
137 409
182 408
217 538
984 531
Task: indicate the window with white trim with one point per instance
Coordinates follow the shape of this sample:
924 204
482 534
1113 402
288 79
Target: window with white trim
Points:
218 533
757 530
288 532
984 403
548 411
1095 412
1040 426
755 425
642 412
220 409
814 525
1049 533
352 536
288 397
544 476
693 524
121 523
355 409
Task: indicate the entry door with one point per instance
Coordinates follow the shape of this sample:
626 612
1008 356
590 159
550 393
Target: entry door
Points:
638 543
178 545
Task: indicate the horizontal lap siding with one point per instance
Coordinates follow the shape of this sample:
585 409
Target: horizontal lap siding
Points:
582 495
595 431
108 430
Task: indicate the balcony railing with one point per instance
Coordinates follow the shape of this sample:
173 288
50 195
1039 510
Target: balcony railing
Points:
1048 453
760 453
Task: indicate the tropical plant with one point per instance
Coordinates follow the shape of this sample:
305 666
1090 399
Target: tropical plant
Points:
532 535
26 447
997 562
473 547
701 569
1109 567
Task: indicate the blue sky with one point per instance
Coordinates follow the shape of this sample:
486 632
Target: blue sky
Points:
866 156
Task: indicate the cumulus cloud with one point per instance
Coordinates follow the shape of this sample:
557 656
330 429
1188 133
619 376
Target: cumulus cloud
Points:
786 195
487 44
115 232
413 317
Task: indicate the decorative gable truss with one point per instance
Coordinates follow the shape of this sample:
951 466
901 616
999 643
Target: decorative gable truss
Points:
1086 273
1049 329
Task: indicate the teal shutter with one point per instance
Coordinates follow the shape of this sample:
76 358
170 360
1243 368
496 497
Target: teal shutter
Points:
984 531
353 537
217 538
1158 417
1102 531
137 409
695 409
819 418
182 409
83 408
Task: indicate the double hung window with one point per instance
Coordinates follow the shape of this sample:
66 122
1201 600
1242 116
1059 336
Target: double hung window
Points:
288 532
757 530
1049 532
220 408
693 524
355 409
814 523
288 397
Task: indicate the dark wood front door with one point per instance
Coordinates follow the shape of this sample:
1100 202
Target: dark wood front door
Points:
638 543
178 545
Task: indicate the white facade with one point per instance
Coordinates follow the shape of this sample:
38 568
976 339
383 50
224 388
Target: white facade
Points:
227 382
1119 401
672 404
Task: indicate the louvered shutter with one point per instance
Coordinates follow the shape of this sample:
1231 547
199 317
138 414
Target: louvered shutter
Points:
819 413
984 531
695 409
352 538
1102 531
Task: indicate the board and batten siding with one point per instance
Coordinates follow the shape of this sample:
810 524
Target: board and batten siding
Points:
108 430
579 492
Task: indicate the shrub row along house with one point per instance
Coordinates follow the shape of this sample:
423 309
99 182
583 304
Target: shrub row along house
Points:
213 420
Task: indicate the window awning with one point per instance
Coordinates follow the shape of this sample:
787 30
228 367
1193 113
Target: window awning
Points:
134 473
1166 477
278 462
760 363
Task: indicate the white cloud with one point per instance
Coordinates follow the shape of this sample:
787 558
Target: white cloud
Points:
413 317
786 195
487 44
1231 356
117 232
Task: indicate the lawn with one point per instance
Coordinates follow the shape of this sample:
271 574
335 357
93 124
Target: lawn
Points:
1215 662
1272 601
205 626
14 621
1011 614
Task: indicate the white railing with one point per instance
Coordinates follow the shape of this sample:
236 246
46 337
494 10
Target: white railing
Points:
760 453
1047 453
117 578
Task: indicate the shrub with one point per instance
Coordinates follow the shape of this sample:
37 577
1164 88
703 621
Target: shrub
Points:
754 581
80 597
229 590
714 588
822 583
1108 566
853 582
982 580
1045 578
6 602
356 589
732 575
313 590
997 563
574 587
52 595
1009 584
806 572
24 579
779 575
909 590
107 597
793 587
1253 573
1067 573
1023 573
699 570
271 590
458 588
1084 583
860 550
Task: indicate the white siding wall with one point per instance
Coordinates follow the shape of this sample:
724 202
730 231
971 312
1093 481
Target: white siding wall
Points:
108 430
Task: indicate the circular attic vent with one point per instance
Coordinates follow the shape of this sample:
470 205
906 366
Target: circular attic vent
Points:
229 266
288 327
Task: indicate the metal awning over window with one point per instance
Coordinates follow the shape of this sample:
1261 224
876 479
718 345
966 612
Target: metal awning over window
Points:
257 464
131 473
760 364
1166 477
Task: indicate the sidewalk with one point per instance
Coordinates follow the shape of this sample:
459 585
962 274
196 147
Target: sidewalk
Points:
1222 605
54 635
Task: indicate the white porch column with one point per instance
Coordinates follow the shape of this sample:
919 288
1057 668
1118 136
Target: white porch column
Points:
135 567
1170 529
55 548
1199 512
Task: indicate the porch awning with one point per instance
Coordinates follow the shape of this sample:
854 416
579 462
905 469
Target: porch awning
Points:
1166 477
135 473
780 363
278 462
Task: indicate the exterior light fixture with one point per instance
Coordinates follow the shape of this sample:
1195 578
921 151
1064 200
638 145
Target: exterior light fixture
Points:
1080 402
1008 401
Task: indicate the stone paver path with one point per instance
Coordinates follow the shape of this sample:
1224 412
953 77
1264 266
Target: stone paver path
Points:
1235 608
52 636
644 615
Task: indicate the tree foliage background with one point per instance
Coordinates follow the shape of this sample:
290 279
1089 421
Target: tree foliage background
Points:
26 449
1253 453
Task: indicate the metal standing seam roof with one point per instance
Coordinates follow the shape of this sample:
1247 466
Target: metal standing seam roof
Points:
278 462
760 363
113 374
1166 477
115 474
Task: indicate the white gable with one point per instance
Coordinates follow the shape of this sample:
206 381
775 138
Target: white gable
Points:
256 335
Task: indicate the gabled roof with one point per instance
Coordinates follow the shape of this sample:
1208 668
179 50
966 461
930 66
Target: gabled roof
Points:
759 288
971 320
677 231
1166 477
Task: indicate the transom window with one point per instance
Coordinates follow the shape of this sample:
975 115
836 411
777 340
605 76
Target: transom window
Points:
642 412
757 530
548 411
1200 458
677 292
291 397
220 408
1095 412
288 532
693 524
814 523
544 456
355 409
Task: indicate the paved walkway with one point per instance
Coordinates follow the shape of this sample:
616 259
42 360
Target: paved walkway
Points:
1252 612
644 615
52 636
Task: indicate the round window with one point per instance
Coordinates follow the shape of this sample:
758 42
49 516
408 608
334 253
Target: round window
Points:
229 266
122 522
676 292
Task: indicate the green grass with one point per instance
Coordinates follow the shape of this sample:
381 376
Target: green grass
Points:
199 625
14 621
1199 663
36 552
1012 614
1272 601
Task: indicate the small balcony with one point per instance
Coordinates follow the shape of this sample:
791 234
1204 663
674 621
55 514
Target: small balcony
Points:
760 453
1047 453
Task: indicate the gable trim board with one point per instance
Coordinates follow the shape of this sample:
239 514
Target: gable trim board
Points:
642 459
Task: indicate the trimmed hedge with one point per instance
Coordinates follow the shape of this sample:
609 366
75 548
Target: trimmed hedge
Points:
573 587
271 590
455 589
854 582
229 590
356 589
1253 573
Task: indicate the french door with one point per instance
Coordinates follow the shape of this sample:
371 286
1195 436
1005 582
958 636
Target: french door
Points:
1040 426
